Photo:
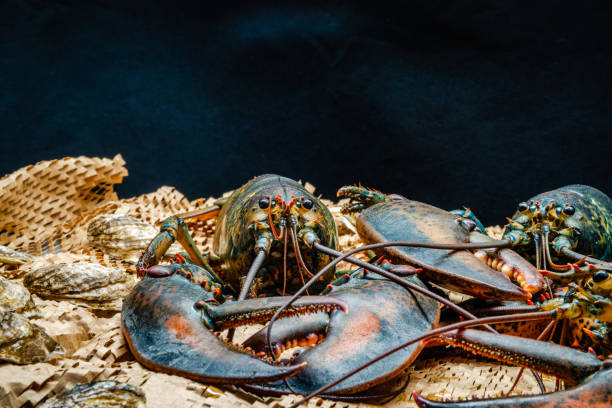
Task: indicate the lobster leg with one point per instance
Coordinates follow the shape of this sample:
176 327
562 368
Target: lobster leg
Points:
172 228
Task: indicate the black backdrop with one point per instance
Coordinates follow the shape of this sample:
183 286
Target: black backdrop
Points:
479 103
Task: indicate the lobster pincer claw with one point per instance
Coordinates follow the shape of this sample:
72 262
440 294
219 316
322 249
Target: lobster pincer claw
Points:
258 310
575 367
382 314
162 322
403 220
302 331
437 237
172 229
596 391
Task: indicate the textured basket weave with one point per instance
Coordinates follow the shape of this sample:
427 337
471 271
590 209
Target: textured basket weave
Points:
45 210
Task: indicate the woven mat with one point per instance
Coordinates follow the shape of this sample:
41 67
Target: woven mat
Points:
45 209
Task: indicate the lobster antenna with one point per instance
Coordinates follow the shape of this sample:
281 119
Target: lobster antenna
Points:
296 251
404 283
433 333
248 281
284 263
550 328
548 257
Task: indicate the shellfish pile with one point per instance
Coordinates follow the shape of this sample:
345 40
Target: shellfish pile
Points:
84 283
120 235
21 342
109 394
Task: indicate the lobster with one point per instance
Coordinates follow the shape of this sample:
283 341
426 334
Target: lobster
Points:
375 224
172 315
162 316
574 221
571 224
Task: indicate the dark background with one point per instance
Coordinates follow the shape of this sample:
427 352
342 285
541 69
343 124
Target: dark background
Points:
479 103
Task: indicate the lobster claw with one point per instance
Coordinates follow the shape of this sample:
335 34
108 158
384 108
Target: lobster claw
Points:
406 220
165 331
573 366
595 392
382 315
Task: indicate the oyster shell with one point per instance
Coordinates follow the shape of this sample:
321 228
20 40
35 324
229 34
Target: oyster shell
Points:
16 298
83 283
12 257
22 342
107 394
120 235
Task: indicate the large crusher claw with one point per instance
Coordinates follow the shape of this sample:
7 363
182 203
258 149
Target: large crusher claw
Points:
163 320
382 315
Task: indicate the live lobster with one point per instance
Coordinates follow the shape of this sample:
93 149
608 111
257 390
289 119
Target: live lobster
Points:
168 317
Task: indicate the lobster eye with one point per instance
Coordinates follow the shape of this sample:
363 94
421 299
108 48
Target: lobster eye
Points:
307 203
264 203
522 207
600 276
569 210
469 224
